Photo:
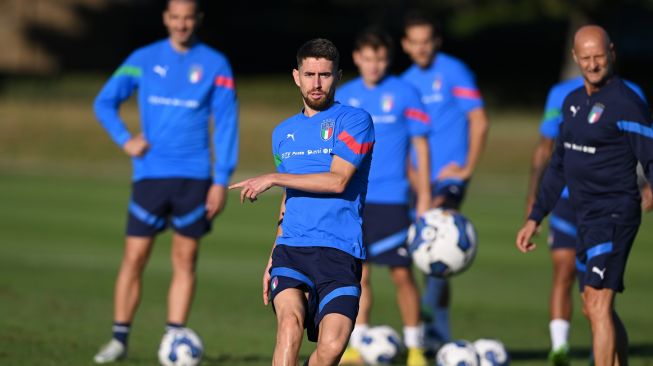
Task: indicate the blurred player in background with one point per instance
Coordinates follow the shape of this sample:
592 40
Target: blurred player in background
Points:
606 129
181 83
562 222
323 157
458 132
399 123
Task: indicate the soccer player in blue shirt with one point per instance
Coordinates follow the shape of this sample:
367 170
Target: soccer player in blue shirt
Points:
606 130
323 156
458 131
399 123
562 222
181 83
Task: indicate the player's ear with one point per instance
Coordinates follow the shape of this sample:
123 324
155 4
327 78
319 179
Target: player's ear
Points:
404 43
573 55
295 76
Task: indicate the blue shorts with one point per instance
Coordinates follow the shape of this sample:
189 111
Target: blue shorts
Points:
330 276
157 202
562 226
602 254
453 191
385 229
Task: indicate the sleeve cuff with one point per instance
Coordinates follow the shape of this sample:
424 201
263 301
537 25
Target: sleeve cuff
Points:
221 178
536 215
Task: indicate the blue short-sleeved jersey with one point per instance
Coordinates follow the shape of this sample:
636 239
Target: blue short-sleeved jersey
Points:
398 115
552 118
177 94
449 93
304 145
601 138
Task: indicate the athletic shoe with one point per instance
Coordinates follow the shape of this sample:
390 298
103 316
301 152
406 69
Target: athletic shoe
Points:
560 356
111 352
351 357
416 357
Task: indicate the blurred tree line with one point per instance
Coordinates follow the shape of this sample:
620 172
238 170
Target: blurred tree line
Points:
517 48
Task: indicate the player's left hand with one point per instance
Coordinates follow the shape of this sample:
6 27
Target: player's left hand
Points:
453 170
647 198
252 187
216 198
523 241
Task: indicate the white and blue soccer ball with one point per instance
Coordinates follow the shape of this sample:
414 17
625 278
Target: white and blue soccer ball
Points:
180 347
492 352
442 243
380 345
458 353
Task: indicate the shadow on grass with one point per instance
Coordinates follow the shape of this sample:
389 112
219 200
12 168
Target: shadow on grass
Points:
579 353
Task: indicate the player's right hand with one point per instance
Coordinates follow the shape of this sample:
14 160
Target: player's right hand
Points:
266 283
524 236
136 146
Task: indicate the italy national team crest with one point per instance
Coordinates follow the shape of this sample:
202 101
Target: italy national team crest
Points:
595 113
195 74
326 130
387 102
437 83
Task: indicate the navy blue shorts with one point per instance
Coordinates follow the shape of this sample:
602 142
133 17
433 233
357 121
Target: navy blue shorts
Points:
157 202
385 229
602 254
562 226
453 191
330 276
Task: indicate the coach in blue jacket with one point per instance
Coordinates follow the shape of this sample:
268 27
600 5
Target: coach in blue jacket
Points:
606 129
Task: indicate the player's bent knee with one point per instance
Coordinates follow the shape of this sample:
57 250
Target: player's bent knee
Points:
402 276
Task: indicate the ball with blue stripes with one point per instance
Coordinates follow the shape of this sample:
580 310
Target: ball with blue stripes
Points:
380 345
458 353
442 243
492 352
180 347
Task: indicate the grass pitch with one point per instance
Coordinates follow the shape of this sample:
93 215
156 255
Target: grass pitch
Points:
64 190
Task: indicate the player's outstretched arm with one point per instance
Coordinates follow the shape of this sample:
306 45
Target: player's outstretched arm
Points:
524 236
333 181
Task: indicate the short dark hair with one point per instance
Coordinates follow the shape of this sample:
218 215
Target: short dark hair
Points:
318 48
374 37
415 17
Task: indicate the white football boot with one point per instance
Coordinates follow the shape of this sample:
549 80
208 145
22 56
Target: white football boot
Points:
111 352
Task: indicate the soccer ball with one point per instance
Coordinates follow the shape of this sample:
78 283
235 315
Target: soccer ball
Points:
458 353
380 345
180 347
491 352
442 243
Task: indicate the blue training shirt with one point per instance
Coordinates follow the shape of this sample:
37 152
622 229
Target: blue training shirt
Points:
304 145
602 137
552 118
449 93
177 94
398 115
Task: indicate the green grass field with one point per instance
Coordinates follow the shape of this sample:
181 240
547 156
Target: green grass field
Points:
63 194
